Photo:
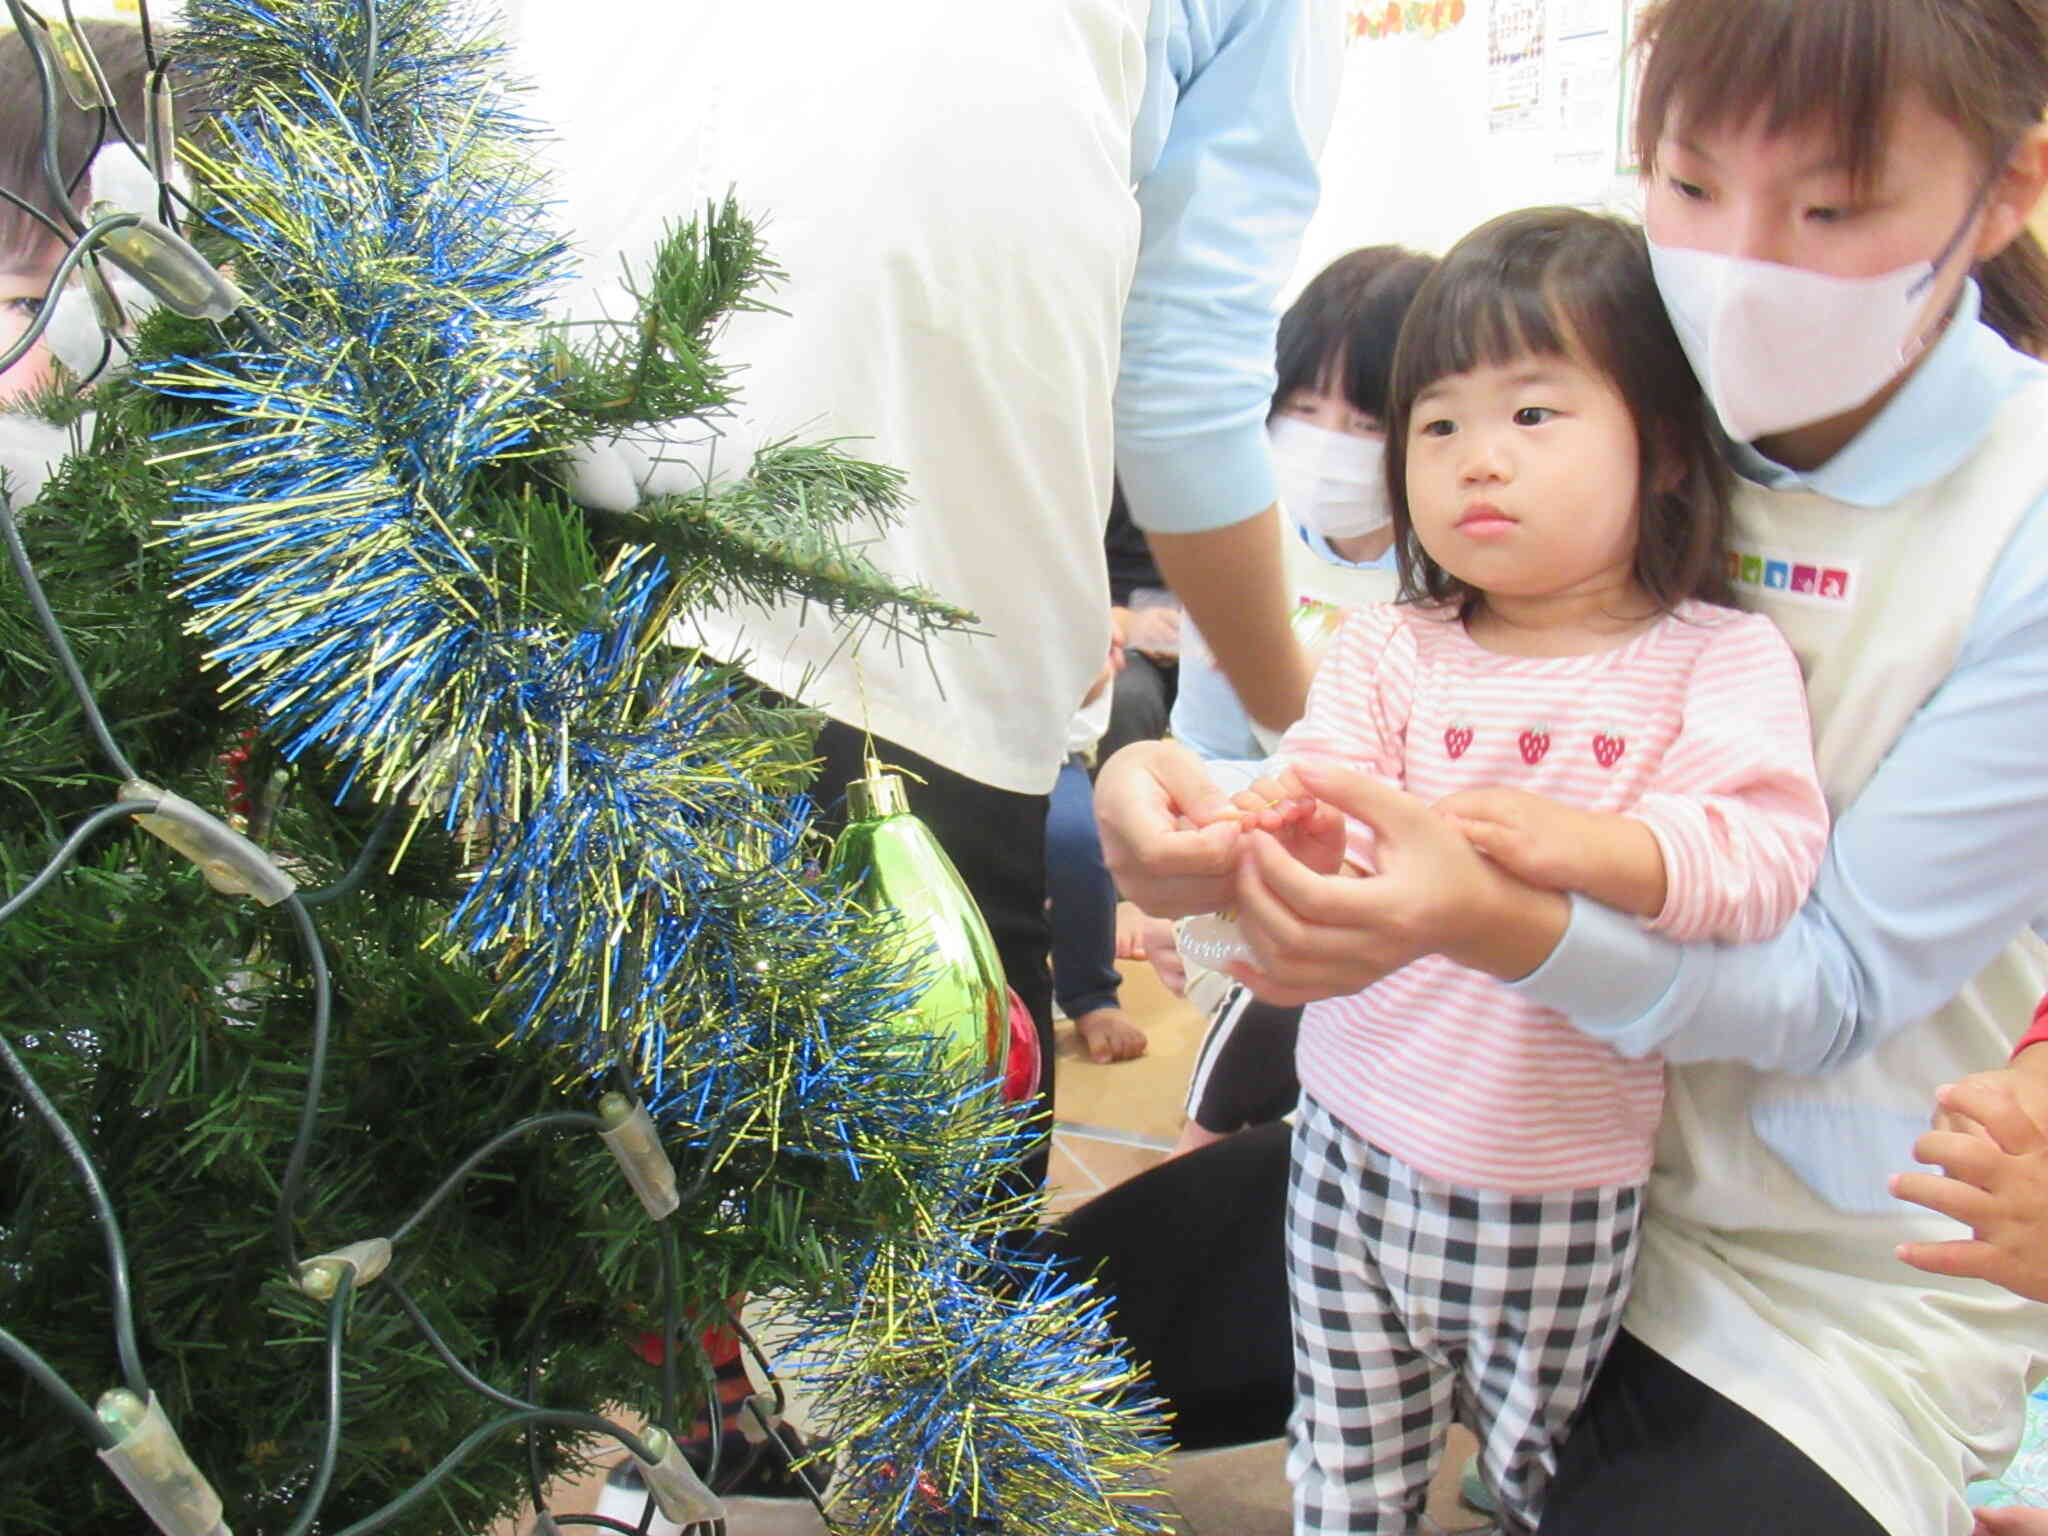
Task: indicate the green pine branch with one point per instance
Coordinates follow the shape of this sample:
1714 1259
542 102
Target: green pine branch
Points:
658 366
777 534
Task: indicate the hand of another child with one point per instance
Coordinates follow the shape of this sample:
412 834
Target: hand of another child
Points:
2011 1520
1532 837
1994 1180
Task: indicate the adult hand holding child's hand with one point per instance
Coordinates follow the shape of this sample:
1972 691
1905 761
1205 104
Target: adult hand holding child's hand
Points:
1168 833
1316 934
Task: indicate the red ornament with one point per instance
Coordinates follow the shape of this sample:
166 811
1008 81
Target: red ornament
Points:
1534 742
1607 749
1021 1078
1456 739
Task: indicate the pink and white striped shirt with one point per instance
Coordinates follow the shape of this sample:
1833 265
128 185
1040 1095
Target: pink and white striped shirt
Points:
1697 727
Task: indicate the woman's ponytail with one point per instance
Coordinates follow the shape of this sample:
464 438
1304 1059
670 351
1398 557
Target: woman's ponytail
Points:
2015 284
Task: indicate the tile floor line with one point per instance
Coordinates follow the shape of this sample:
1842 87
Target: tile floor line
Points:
1110 1133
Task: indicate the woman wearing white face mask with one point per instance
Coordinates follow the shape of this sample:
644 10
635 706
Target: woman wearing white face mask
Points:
1335 346
1826 177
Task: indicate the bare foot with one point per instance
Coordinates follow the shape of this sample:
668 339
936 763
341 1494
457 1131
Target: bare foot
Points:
1110 1035
1192 1136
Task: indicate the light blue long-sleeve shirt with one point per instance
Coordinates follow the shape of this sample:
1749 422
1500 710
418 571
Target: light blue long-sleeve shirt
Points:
1237 99
1208 718
1940 860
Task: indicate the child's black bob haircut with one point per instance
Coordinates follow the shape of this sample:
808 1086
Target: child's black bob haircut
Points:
1563 282
1339 334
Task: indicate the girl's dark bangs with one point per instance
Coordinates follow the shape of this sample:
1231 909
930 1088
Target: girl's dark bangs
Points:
1484 316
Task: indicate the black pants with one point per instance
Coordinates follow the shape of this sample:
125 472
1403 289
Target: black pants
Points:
1192 1255
996 838
1656 1450
1141 701
1244 1071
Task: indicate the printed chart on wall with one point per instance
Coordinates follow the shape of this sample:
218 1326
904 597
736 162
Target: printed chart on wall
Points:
1586 69
1554 75
1515 35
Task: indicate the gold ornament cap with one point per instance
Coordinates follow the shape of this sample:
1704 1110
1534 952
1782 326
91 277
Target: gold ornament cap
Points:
879 794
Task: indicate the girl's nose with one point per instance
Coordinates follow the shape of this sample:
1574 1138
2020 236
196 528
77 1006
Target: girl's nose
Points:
1486 461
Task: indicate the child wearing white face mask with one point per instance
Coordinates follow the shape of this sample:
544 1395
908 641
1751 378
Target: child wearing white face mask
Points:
1327 430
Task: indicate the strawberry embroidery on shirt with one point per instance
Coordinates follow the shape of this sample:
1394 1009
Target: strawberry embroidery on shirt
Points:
1608 747
1457 737
1534 742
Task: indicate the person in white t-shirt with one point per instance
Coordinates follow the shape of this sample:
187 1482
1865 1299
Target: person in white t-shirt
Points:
1020 245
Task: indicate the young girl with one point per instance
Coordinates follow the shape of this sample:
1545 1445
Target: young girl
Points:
1467 1167
1826 176
1328 431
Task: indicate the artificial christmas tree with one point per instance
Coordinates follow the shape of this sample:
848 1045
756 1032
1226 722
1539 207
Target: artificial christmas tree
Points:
328 1177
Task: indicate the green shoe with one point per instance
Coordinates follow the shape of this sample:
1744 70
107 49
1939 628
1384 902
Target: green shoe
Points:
1473 1492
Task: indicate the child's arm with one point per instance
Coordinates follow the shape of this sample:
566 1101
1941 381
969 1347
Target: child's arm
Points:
1736 805
1614 859
1725 842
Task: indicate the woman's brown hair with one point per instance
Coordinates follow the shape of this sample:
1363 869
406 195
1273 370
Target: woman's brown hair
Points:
1562 282
1982 64
25 242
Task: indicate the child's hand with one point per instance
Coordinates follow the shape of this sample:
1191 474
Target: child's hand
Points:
1311 831
1996 1184
1532 837
2011 1520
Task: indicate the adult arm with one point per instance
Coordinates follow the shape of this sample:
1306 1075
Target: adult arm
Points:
1930 872
1239 98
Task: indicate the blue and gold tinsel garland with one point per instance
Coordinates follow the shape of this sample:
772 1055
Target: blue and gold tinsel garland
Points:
358 497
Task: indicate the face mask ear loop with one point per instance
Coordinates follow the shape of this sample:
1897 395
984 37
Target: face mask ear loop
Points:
1969 217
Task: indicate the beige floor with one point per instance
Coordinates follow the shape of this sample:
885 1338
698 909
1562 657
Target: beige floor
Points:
1115 1121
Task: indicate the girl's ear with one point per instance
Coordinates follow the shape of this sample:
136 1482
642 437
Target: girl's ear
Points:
2014 194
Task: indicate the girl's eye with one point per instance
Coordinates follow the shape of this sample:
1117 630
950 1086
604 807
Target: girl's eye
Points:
1827 213
28 306
1533 415
1691 191
1441 427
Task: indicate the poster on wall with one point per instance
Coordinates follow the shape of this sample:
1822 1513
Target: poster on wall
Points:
1369 20
1585 52
1515 37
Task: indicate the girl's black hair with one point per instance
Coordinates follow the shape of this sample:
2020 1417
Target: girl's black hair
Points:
1566 283
1340 331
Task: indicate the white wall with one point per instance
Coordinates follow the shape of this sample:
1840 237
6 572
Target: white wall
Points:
1433 136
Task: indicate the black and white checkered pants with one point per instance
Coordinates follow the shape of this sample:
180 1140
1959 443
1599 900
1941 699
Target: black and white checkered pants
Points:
1415 1299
